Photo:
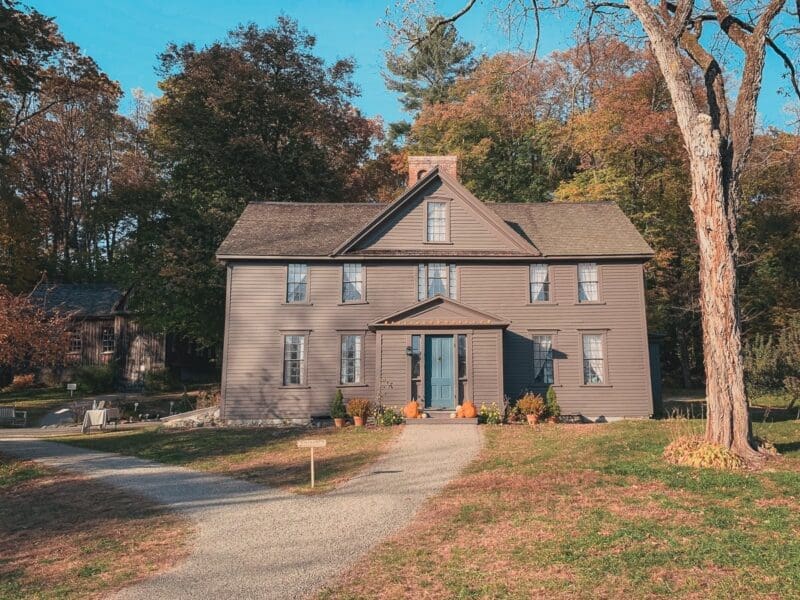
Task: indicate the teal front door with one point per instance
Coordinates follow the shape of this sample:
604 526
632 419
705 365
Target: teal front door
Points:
439 371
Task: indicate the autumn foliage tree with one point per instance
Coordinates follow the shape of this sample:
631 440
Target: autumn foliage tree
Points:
30 338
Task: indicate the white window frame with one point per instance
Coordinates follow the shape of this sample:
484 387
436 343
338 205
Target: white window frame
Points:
357 278
534 273
301 359
437 224
104 340
548 358
357 360
73 348
296 275
598 375
588 282
449 277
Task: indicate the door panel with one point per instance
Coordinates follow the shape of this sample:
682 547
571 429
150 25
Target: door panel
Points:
439 371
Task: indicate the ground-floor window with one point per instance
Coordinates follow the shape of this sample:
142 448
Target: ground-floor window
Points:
593 368
351 359
294 359
543 359
416 356
108 342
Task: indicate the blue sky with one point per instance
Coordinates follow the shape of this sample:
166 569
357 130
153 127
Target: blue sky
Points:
124 37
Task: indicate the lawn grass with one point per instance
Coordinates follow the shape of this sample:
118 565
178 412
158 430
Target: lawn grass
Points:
592 511
268 456
38 401
64 536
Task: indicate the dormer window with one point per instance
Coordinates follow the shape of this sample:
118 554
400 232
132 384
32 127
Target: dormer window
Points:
436 222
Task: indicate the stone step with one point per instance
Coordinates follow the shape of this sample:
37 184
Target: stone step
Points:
441 417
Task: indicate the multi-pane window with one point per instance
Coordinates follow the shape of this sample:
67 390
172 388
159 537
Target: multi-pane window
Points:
437 222
436 278
540 283
75 342
297 283
351 359
543 359
462 368
416 355
294 359
587 282
107 340
593 358
352 282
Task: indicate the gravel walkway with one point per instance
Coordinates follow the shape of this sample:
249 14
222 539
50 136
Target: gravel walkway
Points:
256 542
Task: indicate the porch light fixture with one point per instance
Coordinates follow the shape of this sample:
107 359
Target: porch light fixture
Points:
409 351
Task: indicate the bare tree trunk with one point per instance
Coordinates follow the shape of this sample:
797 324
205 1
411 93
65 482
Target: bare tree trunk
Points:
712 204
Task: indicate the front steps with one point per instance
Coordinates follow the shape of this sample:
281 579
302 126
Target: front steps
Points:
441 417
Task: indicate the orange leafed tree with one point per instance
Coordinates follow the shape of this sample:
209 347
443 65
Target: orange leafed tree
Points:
722 42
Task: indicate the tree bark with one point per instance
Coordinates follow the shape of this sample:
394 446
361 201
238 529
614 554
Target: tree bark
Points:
713 205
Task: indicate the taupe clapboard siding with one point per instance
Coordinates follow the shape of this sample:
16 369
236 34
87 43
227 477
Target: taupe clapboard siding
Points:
406 230
257 316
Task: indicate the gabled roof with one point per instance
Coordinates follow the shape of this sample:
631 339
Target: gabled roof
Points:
325 230
522 245
439 311
79 299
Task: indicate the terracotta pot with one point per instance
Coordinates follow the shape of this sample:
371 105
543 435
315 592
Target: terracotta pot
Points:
553 419
358 421
532 419
338 422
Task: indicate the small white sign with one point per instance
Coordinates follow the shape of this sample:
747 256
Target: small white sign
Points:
72 387
312 443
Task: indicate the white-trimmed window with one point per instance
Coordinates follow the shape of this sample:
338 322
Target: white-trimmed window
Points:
540 283
296 283
75 342
294 359
588 288
352 282
416 358
543 359
436 222
593 362
351 359
108 342
462 367
436 279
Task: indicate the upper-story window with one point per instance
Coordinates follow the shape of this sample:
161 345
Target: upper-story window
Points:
352 282
540 283
436 279
297 283
588 288
437 222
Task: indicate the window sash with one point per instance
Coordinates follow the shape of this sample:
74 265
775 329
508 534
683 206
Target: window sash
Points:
107 340
296 283
543 359
451 282
416 360
351 359
352 282
437 222
593 360
294 358
540 283
437 279
421 285
75 342
588 288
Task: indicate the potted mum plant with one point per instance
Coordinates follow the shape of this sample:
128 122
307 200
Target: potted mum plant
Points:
359 409
532 406
338 411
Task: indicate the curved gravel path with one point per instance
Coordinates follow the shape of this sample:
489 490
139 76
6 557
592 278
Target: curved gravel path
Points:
257 542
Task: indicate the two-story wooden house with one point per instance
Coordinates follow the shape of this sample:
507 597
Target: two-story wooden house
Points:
437 297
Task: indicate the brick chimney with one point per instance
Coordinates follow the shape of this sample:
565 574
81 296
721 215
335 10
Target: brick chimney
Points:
418 166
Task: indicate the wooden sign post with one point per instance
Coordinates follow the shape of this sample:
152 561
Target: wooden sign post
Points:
311 443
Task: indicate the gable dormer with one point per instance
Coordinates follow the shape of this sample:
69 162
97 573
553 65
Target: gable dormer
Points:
437 216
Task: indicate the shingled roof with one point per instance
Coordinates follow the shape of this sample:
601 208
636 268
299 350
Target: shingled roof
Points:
79 299
314 229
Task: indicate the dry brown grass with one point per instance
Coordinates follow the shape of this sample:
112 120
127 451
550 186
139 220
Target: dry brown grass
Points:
65 536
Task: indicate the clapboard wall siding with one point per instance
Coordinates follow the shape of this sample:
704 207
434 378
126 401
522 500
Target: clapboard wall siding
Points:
257 316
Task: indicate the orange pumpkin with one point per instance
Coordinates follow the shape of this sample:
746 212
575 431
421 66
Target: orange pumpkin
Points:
468 410
411 410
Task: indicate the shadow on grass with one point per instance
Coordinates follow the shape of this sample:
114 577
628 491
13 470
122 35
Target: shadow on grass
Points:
696 409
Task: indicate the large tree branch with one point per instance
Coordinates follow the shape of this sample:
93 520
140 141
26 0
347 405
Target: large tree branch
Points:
445 21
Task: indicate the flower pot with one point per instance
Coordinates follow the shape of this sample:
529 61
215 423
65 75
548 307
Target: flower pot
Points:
553 419
532 419
338 422
358 421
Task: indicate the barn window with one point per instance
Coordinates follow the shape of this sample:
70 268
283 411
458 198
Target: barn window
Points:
107 340
75 342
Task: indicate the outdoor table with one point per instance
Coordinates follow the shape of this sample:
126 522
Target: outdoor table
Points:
99 418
